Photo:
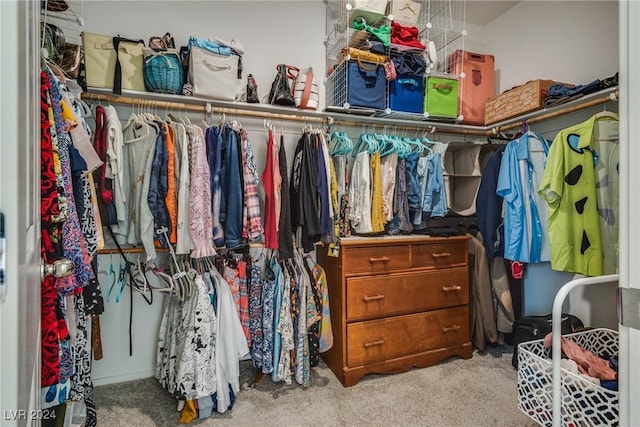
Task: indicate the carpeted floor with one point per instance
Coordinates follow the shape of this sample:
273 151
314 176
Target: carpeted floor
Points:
480 391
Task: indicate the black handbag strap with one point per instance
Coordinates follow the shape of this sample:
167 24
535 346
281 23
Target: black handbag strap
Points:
117 76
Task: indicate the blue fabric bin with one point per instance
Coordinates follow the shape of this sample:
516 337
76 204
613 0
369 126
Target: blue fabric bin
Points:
406 93
366 85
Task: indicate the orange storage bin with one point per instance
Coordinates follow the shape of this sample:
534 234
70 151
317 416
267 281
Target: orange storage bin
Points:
476 83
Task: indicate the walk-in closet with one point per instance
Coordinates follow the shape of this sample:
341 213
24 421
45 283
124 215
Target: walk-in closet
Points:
338 212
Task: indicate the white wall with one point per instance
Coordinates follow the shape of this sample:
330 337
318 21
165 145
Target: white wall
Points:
566 41
272 32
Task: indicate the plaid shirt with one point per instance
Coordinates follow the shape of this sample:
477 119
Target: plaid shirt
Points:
251 219
237 280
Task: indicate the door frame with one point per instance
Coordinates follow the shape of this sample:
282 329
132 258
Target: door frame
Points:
629 112
20 203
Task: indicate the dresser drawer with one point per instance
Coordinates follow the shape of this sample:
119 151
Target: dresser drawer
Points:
443 254
378 340
375 258
383 295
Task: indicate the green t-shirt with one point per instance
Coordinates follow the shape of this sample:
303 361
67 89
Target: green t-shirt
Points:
569 187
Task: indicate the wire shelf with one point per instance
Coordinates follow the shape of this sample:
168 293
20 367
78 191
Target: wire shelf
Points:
441 31
69 21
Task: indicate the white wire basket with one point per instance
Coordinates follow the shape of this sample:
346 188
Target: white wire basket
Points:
583 402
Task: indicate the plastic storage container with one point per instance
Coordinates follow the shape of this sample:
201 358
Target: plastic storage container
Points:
583 402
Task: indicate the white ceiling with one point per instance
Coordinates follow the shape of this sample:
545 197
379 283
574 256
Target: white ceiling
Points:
482 12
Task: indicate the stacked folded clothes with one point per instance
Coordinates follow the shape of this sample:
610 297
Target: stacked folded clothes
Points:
560 93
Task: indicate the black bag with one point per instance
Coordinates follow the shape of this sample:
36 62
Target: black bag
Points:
252 90
531 328
281 93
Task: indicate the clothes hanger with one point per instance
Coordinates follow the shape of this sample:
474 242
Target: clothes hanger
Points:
111 276
604 113
163 278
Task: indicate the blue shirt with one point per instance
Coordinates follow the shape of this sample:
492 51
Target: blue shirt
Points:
523 231
435 197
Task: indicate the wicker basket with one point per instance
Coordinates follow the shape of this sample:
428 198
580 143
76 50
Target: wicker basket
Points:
583 402
163 71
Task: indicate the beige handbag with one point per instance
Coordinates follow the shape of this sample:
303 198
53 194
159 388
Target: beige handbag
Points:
305 90
107 68
212 75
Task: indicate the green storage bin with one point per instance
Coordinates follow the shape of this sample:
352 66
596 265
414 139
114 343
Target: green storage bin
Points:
441 97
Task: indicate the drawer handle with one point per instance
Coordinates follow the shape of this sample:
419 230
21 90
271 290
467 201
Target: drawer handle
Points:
453 328
451 288
441 255
367 298
373 343
379 259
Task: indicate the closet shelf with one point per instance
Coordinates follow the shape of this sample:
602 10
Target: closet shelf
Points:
265 111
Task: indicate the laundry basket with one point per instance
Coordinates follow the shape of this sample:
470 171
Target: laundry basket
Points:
579 401
583 402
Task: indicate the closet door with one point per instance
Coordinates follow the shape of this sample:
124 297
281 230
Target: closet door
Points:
20 204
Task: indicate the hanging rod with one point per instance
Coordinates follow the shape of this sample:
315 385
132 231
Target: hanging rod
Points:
132 250
202 106
140 249
540 115
178 102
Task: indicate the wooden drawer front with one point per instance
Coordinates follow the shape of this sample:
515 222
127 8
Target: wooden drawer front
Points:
440 254
377 340
375 258
376 296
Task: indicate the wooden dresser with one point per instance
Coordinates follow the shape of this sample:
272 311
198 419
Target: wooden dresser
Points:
396 302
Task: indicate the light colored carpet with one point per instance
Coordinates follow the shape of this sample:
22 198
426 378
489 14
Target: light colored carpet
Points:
480 391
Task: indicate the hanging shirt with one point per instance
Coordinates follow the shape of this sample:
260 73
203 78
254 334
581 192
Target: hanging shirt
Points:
520 172
377 203
322 188
159 187
569 187
360 194
231 181
183 237
435 195
200 221
285 238
389 164
268 321
606 145
139 139
147 221
489 206
270 221
72 239
277 178
171 200
342 174
116 167
422 170
251 217
255 284
231 345
322 142
326 333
